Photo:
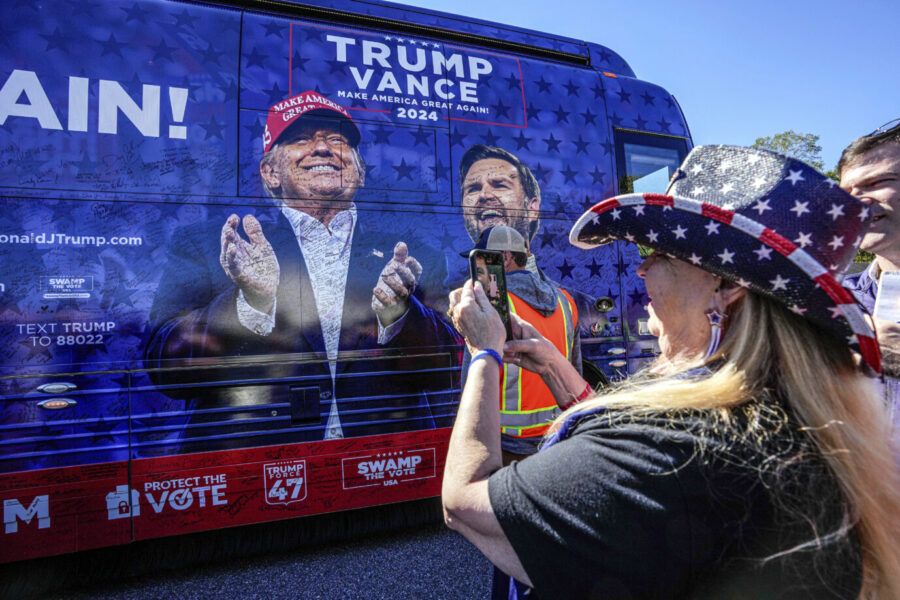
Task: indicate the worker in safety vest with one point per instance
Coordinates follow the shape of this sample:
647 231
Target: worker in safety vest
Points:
526 405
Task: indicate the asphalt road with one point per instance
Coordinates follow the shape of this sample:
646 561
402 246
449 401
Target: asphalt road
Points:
425 563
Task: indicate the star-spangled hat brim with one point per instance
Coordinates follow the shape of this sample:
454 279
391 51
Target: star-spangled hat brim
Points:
733 246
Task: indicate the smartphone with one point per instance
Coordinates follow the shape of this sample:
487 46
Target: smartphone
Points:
887 302
486 266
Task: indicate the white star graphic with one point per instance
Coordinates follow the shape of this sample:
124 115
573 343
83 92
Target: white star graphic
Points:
639 209
836 211
595 219
679 232
616 214
759 182
795 176
753 159
762 206
805 239
764 252
836 312
725 165
388 38
711 228
851 340
864 213
727 188
798 310
779 283
666 207
726 256
836 242
800 208
629 237
743 282
695 259
653 236
698 190
698 168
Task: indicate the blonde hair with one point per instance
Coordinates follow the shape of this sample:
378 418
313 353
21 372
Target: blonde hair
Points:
767 350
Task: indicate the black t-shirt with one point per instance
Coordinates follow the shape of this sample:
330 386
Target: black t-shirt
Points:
675 507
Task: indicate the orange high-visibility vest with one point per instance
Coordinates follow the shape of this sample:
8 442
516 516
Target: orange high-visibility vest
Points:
526 405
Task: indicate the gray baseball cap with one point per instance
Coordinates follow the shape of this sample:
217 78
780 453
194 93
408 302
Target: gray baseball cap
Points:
499 238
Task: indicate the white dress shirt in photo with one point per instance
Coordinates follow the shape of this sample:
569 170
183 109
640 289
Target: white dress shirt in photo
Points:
326 252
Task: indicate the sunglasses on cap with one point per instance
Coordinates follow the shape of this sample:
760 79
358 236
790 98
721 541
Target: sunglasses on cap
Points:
887 127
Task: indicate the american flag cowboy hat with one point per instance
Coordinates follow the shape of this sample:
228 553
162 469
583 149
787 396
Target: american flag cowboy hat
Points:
765 221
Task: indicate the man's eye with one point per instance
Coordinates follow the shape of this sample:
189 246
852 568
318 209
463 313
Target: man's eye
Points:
336 139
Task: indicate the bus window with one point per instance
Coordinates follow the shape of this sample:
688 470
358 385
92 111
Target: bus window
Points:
645 162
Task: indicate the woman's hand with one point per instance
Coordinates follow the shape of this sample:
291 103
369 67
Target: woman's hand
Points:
532 351
529 349
476 319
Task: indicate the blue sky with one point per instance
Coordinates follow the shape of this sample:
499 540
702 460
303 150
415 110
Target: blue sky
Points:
740 70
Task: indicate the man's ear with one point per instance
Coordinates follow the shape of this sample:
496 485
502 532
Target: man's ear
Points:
269 175
533 205
508 260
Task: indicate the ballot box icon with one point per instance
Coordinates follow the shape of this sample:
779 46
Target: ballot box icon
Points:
120 506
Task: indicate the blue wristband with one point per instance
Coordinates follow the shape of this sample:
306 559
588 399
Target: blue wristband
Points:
488 352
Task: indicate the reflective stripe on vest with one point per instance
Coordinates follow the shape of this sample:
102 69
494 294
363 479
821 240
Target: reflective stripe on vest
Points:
526 404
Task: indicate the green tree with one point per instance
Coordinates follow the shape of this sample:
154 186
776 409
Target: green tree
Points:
802 146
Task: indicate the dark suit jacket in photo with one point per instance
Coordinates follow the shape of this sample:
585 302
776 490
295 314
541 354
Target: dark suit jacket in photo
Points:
410 383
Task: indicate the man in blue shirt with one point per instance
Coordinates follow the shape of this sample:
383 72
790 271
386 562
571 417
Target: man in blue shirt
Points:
870 171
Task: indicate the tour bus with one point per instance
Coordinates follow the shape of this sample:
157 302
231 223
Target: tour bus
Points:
195 335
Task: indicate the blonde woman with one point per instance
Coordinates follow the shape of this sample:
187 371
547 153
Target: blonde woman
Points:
753 462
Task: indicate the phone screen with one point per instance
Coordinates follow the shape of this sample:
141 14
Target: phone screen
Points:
486 266
887 303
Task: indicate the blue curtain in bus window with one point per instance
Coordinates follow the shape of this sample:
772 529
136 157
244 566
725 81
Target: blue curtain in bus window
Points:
644 162
648 168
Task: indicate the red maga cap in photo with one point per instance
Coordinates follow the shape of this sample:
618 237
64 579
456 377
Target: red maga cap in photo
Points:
287 112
